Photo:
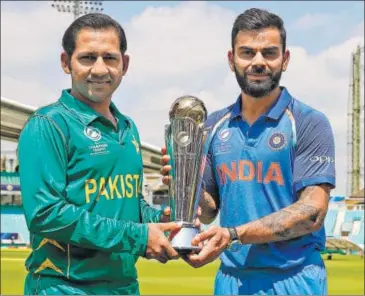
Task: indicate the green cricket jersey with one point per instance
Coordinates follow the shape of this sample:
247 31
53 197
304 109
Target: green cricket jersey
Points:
81 181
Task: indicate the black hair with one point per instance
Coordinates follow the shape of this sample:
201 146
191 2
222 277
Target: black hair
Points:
93 21
257 19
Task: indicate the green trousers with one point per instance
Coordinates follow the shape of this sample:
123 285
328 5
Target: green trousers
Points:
36 284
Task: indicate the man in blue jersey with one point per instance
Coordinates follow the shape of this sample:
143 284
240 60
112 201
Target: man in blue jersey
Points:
269 172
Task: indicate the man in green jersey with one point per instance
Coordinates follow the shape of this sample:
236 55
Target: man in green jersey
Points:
81 176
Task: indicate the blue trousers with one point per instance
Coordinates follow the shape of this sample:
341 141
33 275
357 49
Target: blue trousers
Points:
305 280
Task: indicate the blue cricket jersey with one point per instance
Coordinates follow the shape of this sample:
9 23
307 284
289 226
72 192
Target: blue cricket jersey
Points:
257 170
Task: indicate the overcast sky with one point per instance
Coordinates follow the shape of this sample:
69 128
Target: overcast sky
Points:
180 48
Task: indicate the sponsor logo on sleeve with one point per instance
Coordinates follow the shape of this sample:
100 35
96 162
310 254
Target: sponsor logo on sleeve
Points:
322 159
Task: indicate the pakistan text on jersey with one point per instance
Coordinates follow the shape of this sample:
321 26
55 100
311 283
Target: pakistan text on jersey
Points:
245 170
120 186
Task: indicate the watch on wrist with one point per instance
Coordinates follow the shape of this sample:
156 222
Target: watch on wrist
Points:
233 237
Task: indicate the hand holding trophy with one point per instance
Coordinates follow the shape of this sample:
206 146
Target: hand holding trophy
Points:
185 139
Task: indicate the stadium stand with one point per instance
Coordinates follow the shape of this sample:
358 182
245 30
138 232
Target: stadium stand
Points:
357 231
344 226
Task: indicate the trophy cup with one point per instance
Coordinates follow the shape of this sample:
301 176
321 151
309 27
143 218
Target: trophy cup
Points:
185 139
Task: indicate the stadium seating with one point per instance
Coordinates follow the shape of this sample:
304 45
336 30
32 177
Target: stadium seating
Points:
13 225
345 222
330 221
357 232
352 215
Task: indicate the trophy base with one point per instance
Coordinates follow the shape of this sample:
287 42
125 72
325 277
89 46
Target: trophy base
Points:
181 240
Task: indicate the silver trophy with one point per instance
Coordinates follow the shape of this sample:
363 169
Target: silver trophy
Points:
185 139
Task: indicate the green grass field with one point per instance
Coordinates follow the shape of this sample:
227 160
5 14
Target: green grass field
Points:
345 276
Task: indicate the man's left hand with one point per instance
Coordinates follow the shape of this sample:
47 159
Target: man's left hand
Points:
217 240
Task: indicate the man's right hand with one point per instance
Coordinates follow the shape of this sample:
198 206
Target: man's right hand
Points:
158 246
165 167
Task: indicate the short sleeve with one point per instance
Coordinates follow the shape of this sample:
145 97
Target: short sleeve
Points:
314 161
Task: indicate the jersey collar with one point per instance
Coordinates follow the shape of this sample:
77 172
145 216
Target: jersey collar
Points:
276 110
82 110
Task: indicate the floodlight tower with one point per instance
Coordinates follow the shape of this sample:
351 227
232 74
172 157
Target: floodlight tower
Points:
355 128
78 8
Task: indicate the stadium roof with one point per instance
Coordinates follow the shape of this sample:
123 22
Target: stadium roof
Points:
13 117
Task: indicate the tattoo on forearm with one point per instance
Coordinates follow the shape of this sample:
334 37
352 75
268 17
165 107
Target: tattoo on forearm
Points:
274 223
295 220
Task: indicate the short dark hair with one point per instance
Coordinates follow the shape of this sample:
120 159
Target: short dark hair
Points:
93 21
257 19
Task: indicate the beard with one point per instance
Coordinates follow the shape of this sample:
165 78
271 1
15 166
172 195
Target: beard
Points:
258 88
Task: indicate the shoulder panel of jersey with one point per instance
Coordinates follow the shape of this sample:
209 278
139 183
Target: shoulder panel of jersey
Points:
54 112
303 117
